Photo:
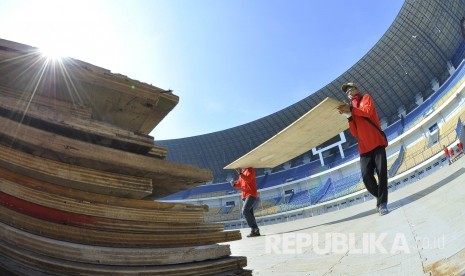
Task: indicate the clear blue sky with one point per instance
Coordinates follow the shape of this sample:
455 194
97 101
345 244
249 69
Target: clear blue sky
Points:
230 62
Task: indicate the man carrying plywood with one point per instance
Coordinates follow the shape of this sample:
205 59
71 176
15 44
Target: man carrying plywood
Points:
248 185
364 124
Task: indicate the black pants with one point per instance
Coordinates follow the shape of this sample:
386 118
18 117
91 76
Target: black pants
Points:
371 162
247 212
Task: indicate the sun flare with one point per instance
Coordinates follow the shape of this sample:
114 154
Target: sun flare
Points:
52 53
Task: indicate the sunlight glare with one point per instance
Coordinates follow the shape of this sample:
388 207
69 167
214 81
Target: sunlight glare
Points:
52 53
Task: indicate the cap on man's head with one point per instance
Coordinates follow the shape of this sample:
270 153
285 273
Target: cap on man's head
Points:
348 85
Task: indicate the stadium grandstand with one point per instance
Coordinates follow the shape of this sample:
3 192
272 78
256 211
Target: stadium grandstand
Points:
416 75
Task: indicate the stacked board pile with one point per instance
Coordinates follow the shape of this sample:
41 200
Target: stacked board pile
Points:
78 172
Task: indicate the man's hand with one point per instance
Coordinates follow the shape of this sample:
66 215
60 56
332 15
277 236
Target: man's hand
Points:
232 182
344 108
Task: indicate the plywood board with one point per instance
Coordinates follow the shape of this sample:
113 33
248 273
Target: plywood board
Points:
167 177
315 127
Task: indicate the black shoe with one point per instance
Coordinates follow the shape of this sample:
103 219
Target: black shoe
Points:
254 233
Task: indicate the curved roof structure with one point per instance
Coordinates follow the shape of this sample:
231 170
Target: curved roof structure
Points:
418 50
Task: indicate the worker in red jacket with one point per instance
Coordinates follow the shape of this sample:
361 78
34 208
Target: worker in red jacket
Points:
364 124
446 151
247 183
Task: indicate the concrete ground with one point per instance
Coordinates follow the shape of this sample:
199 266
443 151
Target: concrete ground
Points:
424 234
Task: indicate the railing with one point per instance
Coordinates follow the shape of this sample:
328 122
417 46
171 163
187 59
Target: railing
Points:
415 158
395 166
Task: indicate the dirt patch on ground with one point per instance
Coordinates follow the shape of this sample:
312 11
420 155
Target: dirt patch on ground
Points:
454 265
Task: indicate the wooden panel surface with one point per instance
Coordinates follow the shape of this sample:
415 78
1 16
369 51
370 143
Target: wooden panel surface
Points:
315 127
76 177
167 177
22 216
97 198
110 255
23 262
62 119
113 98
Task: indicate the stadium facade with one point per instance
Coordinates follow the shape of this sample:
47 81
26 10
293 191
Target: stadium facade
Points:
416 55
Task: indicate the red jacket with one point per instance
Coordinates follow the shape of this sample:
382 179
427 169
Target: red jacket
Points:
446 151
247 183
368 136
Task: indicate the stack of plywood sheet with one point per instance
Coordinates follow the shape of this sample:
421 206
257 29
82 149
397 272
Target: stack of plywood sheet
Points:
74 184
